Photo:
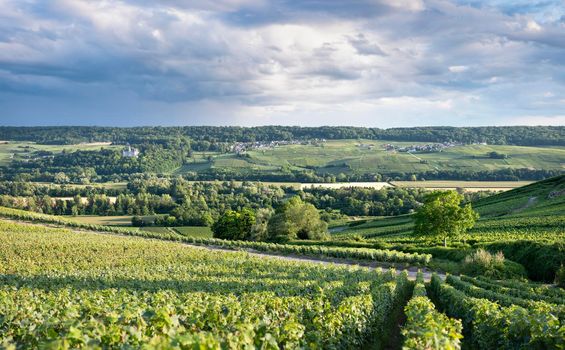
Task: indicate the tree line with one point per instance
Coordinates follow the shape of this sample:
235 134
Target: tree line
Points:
511 135
200 203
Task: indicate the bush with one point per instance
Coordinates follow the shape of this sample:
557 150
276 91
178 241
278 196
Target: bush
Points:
483 263
541 259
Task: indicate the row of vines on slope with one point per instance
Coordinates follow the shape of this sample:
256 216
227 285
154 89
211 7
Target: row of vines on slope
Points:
60 289
313 250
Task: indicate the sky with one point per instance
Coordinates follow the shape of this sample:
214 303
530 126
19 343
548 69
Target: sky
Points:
376 63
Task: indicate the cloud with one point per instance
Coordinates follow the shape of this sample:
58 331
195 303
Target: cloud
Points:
306 62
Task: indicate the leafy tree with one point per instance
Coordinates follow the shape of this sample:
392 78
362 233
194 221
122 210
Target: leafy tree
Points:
443 217
259 229
235 225
296 220
137 221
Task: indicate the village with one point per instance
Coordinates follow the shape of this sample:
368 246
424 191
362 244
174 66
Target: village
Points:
425 148
242 147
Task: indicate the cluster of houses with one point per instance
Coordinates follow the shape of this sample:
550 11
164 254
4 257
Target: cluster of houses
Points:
427 148
242 147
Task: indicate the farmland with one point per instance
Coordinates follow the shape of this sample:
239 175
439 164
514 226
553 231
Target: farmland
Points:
176 300
347 156
17 150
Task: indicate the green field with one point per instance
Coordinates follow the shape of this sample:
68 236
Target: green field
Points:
194 231
347 156
116 292
187 231
16 150
118 220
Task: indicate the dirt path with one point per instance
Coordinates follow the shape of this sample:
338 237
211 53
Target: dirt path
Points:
531 201
411 270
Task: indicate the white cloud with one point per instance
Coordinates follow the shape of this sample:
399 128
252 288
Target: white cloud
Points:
458 69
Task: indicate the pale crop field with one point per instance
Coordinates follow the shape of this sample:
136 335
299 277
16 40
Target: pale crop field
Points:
18 150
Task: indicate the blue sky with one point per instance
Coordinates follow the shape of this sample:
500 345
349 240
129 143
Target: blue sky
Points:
381 63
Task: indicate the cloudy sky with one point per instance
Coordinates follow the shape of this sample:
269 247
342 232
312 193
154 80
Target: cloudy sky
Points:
380 63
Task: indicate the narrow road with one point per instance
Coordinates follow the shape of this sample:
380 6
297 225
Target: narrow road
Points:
411 270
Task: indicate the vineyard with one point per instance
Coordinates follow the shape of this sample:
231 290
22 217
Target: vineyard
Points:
62 289
510 320
67 289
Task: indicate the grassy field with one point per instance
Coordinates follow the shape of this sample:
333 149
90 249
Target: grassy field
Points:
348 156
118 220
125 220
541 198
194 231
188 231
14 150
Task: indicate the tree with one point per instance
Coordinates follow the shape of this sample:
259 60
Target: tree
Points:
259 228
443 217
235 225
296 220
137 221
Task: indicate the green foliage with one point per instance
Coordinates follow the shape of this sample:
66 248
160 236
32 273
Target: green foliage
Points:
428 329
483 263
442 217
235 225
137 221
541 258
487 325
518 289
296 220
63 290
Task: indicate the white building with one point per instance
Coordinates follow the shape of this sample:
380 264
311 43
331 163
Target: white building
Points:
130 152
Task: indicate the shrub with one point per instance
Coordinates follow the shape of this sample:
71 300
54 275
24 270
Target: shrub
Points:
483 263
541 259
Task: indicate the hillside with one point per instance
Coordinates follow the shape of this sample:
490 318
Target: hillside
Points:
542 198
346 158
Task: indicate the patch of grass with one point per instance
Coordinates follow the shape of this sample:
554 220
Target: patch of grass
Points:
194 231
119 220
